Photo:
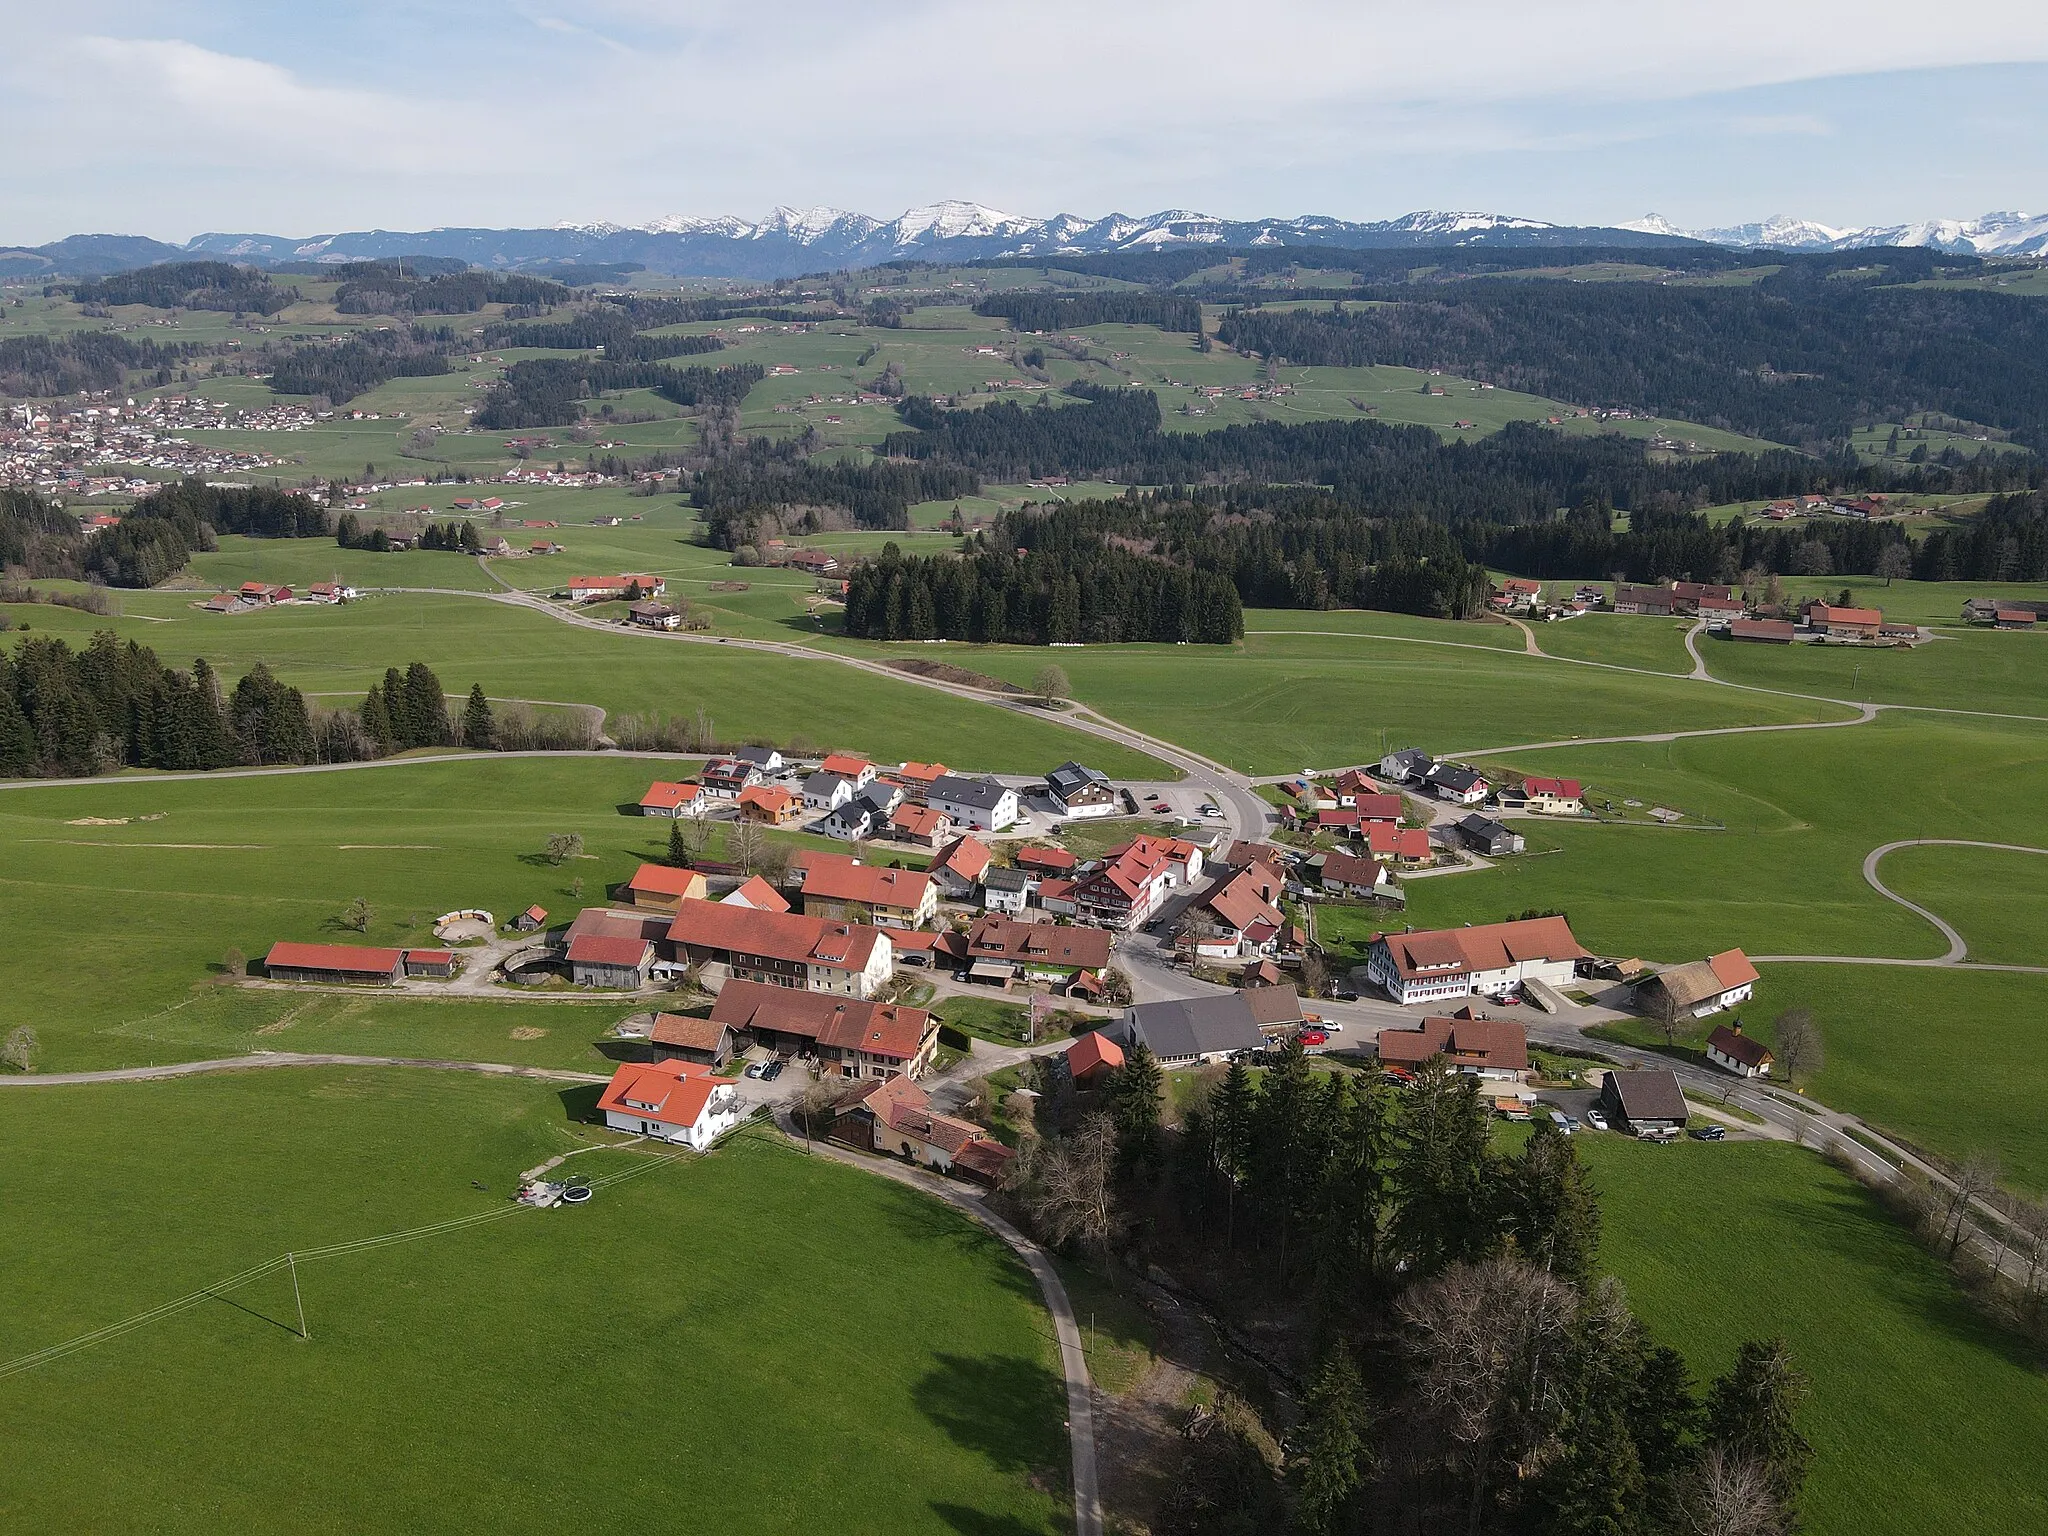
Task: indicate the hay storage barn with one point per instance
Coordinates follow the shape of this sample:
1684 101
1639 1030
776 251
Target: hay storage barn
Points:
352 963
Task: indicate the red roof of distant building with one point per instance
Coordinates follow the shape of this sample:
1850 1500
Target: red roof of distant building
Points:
1737 1046
1824 613
966 857
846 764
1464 1039
920 773
1045 858
333 957
996 937
666 1092
867 884
666 797
772 798
664 880
1733 969
605 949
758 894
918 820
1559 789
841 1023
787 936
1092 1052
1400 842
1487 947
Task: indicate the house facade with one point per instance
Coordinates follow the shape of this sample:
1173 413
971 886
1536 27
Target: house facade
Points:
1492 959
1081 792
783 949
982 804
673 1101
1554 797
1732 1051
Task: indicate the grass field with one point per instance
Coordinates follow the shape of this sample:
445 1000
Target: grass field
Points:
1281 702
520 654
1924 1419
1976 669
775 1338
1619 639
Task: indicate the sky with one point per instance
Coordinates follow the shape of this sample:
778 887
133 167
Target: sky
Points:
171 119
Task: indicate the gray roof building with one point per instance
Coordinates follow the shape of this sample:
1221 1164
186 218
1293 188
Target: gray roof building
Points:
981 794
1647 1103
1193 1028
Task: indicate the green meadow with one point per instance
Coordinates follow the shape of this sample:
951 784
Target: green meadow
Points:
1924 1418
678 1351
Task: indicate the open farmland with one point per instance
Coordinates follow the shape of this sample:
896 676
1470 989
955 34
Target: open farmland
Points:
1785 1244
520 1374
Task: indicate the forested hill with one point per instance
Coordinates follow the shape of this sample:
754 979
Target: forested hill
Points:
1057 312
1797 358
1523 473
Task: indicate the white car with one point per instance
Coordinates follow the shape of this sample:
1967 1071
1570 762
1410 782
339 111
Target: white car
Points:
1596 1119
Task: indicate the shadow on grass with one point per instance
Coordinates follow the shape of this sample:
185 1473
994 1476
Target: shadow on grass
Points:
579 1103
975 1522
1004 1408
1901 1271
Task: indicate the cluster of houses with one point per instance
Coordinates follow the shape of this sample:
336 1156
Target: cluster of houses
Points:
1722 609
55 450
252 595
2003 613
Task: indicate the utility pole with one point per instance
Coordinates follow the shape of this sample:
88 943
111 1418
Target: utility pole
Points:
292 1263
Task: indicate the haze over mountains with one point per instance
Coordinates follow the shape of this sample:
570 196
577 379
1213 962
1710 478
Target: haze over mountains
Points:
790 241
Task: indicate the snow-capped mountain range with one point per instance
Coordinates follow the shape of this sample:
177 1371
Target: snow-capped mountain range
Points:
790 241
1992 234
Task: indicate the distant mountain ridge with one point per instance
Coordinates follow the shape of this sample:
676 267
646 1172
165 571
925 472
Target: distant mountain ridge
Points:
790 241
1991 234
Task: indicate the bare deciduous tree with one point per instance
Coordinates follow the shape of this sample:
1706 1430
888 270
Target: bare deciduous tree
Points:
1728 1495
1067 1184
1977 1178
743 847
563 846
1486 1338
1051 684
1800 1052
20 1050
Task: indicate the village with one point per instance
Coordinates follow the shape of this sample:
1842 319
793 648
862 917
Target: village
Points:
785 970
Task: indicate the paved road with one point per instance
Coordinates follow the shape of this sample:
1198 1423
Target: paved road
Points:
1958 950
1073 1361
290 1059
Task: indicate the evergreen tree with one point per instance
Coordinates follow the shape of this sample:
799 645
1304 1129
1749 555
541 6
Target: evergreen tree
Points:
479 726
426 707
1549 1206
1663 1417
377 720
1750 1412
678 848
1595 1488
404 732
1134 1106
1446 1170
1334 1454
1232 1109
270 719
17 737
213 740
1358 1189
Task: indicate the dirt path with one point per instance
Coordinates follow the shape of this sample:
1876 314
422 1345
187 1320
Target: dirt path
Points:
290 1059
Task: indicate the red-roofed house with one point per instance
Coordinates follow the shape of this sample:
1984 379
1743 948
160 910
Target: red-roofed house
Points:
1494 1049
680 1037
1731 1050
896 1118
1704 986
676 1101
959 866
784 949
1135 881
853 1037
660 888
1492 958
1352 783
1345 874
1045 951
919 825
1240 918
758 894
1555 797
770 804
600 589
1377 807
1051 861
609 960
890 898
916 778
663 799
857 769
1404 845
1090 1057
1844 623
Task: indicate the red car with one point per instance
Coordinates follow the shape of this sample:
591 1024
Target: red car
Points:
1313 1037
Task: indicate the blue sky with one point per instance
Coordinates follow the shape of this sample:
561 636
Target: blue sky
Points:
169 119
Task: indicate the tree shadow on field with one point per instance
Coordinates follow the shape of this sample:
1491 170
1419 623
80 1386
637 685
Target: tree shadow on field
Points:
974 1522
1002 1407
579 1103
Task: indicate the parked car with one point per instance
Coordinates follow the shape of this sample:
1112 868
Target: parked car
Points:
774 1071
1709 1133
1343 994
1596 1119
1564 1122
756 1068
1313 1037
